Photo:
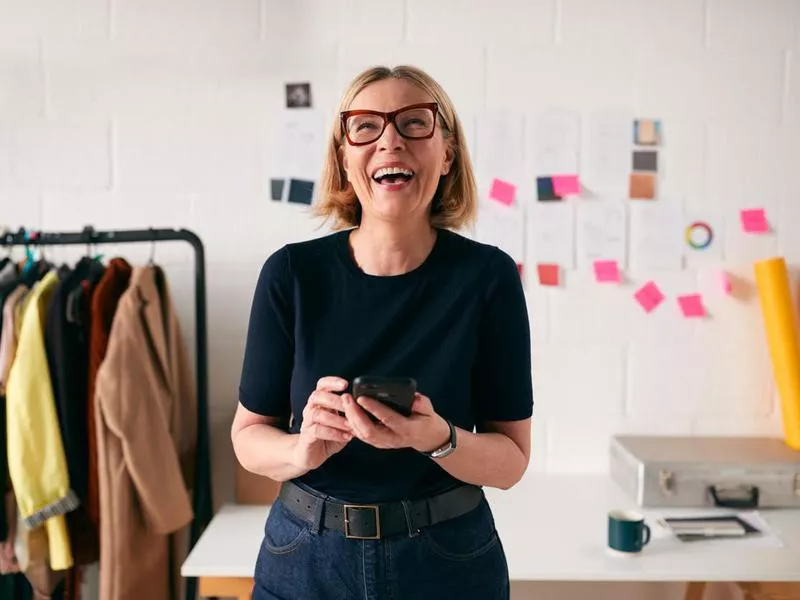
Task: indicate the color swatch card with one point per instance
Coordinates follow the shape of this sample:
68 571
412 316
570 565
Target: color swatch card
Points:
276 189
647 132
549 274
645 160
545 190
301 191
642 186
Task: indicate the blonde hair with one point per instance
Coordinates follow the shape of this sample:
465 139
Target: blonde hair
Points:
455 202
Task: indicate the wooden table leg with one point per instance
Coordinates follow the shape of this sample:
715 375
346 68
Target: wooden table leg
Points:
695 590
238 587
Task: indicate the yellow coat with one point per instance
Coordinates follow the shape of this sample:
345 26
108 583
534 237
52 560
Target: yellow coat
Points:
36 462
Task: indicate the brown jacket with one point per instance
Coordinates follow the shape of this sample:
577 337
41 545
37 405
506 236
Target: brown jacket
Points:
146 412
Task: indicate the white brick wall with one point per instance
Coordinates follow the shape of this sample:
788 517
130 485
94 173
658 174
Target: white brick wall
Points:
128 113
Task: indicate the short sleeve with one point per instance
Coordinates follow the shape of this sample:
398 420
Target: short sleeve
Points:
502 382
266 375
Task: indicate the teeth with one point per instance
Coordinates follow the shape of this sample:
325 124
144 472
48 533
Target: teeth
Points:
392 171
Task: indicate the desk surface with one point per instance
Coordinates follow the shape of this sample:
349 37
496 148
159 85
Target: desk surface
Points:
553 528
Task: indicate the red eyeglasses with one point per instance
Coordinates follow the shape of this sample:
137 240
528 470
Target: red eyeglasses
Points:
414 122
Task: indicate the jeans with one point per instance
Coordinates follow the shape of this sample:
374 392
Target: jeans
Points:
459 558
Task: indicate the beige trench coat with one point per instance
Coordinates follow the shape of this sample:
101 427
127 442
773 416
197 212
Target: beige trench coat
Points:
146 415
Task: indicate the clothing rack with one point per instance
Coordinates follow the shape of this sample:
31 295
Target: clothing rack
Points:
202 497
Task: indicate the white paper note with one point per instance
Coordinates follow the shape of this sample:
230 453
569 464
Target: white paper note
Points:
301 144
554 140
551 234
601 232
656 236
608 159
500 145
502 226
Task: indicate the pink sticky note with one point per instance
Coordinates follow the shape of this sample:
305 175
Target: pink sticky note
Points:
503 192
754 220
566 185
692 305
606 271
649 296
725 282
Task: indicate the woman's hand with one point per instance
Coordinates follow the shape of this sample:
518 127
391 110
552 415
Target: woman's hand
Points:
423 431
323 431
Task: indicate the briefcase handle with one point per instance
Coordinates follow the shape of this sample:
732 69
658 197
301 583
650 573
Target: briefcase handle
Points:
741 496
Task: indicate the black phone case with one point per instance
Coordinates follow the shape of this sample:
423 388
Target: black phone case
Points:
396 392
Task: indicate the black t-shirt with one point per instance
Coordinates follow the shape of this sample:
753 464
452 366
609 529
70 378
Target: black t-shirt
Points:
458 324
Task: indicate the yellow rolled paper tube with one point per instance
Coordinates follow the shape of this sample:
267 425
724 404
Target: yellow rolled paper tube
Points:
780 324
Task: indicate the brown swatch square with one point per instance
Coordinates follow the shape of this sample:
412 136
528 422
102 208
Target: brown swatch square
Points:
643 186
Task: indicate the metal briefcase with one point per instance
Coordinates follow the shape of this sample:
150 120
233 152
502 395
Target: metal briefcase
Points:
733 472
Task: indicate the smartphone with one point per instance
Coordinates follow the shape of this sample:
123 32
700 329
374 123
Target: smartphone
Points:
395 392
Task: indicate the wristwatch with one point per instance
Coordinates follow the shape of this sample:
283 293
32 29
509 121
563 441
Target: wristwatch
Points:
448 448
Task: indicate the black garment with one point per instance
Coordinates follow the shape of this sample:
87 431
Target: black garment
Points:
458 324
5 291
15 587
66 335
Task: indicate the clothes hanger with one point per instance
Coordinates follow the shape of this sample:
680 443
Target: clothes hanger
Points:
30 259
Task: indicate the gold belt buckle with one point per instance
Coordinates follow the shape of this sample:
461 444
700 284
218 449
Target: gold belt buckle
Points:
373 507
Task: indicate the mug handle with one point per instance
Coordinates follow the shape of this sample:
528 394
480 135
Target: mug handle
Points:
646 534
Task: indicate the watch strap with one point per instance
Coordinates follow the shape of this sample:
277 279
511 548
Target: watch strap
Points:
448 448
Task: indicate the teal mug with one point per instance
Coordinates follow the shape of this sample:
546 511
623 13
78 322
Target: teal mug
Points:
627 531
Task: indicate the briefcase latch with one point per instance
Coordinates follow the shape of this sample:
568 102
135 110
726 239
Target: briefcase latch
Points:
734 496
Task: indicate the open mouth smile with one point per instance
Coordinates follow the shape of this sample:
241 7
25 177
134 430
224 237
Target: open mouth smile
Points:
393 178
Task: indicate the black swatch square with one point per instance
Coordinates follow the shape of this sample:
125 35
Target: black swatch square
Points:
301 191
544 189
276 189
645 160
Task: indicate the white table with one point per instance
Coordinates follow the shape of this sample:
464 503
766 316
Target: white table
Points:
553 528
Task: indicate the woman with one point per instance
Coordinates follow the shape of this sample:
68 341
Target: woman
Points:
390 507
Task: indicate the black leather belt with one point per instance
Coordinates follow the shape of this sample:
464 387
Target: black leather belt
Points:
376 521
